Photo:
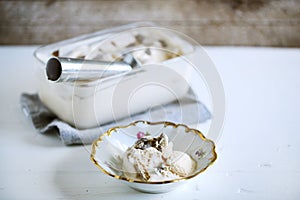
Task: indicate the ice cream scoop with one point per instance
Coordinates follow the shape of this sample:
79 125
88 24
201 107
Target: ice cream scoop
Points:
153 159
60 69
180 163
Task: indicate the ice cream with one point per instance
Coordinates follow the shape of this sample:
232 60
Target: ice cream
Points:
153 159
147 48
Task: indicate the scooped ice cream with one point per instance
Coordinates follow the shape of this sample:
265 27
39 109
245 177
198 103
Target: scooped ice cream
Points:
153 159
147 47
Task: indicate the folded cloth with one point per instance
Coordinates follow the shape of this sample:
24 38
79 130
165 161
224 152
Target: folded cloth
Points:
186 110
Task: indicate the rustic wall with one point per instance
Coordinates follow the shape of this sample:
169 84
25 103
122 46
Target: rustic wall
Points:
210 22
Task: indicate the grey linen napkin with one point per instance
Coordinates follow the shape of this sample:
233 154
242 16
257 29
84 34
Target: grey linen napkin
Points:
188 111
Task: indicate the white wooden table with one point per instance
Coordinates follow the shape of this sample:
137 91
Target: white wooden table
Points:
258 151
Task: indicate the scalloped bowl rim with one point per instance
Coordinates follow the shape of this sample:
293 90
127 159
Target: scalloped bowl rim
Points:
165 123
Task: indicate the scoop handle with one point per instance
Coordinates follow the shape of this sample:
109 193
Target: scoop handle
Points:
61 69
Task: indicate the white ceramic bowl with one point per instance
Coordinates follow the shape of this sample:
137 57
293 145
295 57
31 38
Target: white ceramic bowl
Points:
108 149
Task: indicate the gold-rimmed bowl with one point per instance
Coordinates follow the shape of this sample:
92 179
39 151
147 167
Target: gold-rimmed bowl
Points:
109 148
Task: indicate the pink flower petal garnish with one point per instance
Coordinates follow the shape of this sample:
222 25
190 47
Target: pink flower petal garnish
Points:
140 134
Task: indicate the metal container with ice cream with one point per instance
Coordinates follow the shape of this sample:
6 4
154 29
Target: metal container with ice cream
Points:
85 98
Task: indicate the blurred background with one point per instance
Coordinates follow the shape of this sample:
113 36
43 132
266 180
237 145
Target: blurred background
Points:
210 22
